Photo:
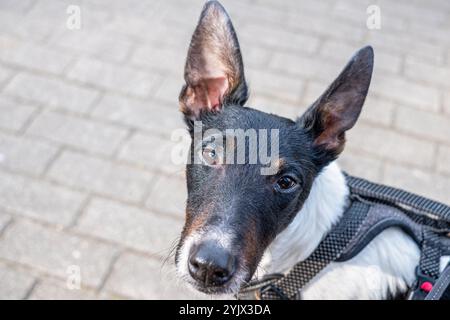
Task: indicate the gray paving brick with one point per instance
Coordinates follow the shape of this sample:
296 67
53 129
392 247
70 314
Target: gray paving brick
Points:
52 289
282 39
55 11
142 278
446 102
23 154
4 220
406 44
5 74
130 226
418 181
340 51
169 89
148 115
325 25
100 176
38 199
361 166
275 85
51 92
168 195
14 115
78 132
443 159
30 55
159 58
394 146
429 73
14 285
305 67
56 252
378 111
255 57
151 152
406 92
350 11
16 6
423 123
36 28
100 44
275 106
113 77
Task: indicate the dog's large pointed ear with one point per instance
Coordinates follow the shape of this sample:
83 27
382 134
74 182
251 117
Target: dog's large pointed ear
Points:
338 108
214 72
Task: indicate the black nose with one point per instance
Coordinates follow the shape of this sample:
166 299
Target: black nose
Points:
211 265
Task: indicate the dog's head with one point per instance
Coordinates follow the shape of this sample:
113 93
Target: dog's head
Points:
235 210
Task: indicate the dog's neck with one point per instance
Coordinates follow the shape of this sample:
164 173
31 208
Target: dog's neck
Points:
322 209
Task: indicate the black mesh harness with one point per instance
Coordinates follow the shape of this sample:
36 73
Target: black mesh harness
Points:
372 209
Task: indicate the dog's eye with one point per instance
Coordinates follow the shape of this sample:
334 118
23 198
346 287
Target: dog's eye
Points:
286 183
211 155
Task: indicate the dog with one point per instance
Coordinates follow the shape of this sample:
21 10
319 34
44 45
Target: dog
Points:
241 223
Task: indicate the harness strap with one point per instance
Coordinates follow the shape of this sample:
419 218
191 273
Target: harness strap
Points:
441 285
428 269
422 206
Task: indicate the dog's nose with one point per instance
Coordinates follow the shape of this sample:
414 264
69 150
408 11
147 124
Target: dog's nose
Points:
211 265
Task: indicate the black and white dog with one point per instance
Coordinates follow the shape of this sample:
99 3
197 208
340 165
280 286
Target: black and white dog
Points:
240 223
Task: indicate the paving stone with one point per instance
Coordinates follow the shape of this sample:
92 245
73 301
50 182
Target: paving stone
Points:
23 154
16 6
78 132
275 106
14 285
168 195
130 226
113 77
434 186
5 74
304 67
143 278
275 85
14 115
443 159
361 166
423 123
391 145
51 92
52 289
159 58
378 111
429 73
155 153
56 252
35 28
5 219
30 55
406 92
100 176
38 199
342 52
99 44
148 115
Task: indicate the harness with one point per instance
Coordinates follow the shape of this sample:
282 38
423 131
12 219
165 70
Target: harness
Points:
372 209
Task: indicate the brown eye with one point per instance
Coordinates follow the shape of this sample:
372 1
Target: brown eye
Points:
286 183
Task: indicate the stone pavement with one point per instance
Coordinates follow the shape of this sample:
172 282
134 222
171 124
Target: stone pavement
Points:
86 182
